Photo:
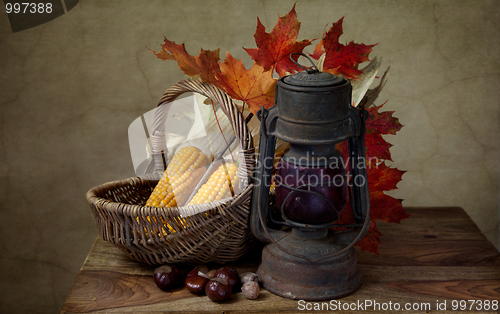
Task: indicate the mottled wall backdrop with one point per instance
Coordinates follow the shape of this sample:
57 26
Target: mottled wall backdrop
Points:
70 88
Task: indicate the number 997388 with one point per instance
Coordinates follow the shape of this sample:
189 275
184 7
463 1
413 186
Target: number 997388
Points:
27 7
478 305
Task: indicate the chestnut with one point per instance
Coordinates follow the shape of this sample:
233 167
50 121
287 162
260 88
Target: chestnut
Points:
202 268
167 277
218 289
195 281
231 275
250 290
211 273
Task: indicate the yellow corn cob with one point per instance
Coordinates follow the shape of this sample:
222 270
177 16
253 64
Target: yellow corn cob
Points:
221 184
177 182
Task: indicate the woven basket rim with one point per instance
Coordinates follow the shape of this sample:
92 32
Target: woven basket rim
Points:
93 196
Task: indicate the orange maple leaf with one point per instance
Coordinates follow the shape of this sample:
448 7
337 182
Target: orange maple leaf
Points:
205 65
274 48
254 86
341 59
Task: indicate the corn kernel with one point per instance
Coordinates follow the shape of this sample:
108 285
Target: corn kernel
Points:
220 185
181 176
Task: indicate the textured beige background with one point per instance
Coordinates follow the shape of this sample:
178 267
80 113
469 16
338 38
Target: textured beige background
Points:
70 88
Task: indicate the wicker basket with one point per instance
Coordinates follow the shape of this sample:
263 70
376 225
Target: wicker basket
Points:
221 234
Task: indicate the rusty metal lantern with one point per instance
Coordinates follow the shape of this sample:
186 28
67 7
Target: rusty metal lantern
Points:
305 258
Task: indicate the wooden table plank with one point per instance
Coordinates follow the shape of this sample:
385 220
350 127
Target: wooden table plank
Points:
438 236
445 223
437 255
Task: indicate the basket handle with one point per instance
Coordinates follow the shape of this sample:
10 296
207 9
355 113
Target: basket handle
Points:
211 91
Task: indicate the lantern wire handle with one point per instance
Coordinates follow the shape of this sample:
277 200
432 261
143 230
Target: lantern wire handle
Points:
311 70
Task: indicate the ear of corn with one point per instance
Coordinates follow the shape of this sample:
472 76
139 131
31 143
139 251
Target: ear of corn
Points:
222 183
181 176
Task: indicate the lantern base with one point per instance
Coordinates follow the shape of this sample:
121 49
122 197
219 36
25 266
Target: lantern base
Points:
294 278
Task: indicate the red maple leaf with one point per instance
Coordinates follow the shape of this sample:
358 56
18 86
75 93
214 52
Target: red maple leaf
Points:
254 86
397 214
274 48
382 122
381 177
341 59
383 203
377 146
382 207
206 65
376 125
371 240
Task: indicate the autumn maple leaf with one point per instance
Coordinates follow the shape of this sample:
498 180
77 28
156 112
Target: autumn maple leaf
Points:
255 86
382 206
376 125
371 240
381 178
206 65
382 122
274 48
341 59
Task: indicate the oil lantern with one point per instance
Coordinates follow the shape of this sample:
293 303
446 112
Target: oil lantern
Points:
309 256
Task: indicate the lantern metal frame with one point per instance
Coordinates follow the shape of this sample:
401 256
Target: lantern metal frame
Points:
293 261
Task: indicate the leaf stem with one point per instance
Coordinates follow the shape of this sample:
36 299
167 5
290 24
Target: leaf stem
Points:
217 120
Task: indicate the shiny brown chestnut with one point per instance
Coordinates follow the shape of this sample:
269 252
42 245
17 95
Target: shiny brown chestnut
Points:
218 289
195 281
167 277
231 275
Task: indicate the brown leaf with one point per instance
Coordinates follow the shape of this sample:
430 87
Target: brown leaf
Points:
206 65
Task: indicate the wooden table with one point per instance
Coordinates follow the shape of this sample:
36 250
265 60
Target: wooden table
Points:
437 255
